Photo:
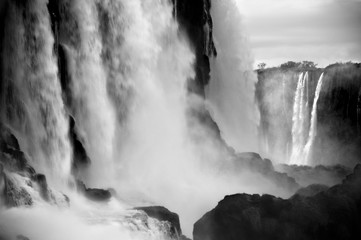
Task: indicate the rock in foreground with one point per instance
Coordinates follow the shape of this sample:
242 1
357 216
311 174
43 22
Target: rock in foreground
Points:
332 214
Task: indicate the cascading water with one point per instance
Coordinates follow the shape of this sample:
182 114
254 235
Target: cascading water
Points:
313 127
304 129
32 102
128 65
232 86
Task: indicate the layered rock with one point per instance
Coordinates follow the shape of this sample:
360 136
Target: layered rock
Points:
331 214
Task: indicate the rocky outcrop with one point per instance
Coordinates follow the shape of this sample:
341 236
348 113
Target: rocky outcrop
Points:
163 214
331 214
311 190
94 194
307 175
80 157
255 163
17 176
195 18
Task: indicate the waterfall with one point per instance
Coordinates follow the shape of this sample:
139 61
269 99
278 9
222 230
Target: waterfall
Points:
231 91
32 103
313 127
127 66
91 105
304 129
300 119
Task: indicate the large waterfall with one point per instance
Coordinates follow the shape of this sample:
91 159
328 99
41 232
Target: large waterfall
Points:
118 69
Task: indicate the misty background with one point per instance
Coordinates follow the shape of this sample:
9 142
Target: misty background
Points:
323 31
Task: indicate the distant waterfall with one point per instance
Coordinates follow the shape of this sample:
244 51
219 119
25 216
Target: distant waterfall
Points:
304 129
299 119
313 127
33 100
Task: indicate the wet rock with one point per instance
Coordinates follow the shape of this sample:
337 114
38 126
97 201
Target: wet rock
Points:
163 214
81 159
94 194
331 214
16 196
40 179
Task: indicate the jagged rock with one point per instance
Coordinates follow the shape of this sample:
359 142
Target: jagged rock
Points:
94 194
312 190
163 214
16 196
331 214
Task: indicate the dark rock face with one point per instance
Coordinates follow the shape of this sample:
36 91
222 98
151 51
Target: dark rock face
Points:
163 214
331 214
80 157
94 194
195 18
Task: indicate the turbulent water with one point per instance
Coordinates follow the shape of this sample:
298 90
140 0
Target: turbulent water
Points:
127 66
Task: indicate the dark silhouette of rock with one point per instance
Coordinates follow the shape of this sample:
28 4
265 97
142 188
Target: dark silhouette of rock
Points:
331 214
94 194
80 157
312 190
195 18
163 214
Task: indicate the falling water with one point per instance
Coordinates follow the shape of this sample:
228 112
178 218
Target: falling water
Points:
32 99
313 127
300 120
128 66
296 120
231 91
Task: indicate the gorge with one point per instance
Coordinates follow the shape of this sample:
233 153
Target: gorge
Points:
131 119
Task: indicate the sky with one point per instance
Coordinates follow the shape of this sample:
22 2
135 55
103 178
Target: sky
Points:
323 31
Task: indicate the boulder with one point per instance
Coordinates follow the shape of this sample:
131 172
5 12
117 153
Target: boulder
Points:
163 214
331 214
